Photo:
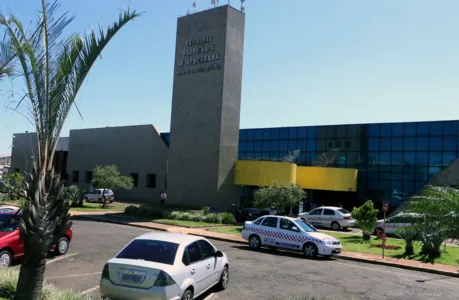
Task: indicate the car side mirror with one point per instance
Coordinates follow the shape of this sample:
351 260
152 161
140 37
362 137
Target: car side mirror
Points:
218 254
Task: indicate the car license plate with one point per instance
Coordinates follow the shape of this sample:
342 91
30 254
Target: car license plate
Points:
131 277
338 250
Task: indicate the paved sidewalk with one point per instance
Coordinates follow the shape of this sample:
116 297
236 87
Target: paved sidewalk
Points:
367 258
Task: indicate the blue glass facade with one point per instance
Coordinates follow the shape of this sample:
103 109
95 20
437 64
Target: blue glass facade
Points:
394 159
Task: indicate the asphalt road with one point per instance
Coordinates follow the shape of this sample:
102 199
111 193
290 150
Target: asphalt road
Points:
254 275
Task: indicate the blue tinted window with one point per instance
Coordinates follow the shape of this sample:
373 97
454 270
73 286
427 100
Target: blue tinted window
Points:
266 156
312 132
301 160
423 129
292 145
410 129
283 146
448 158
302 133
396 176
372 173
409 144
274 133
419 185
250 134
257 156
274 145
266 134
397 144
384 186
435 144
436 159
384 157
436 128
274 156
373 158
397 129
283 133
249 155
396 185
249 147
373 185
293 133
434 171
243 134
373 144
310 157
258 146
341 161
266 146
408 187
385 129
450 128
311 145
449 143
422 174
384 176
373 130
242 146
384 144
397 168
408 176
259 134
302 145
422 158
397 158
241 156
422 144
409 158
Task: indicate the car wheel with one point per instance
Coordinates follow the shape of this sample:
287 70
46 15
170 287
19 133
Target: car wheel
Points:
5 259
188 295
62 246
335 226
255 242
310 250
224 279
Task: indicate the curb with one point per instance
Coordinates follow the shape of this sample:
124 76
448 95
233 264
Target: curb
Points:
363 260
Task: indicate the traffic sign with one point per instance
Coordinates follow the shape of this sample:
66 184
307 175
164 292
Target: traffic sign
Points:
386 206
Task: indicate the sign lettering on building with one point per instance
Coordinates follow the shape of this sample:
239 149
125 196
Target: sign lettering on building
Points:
199 56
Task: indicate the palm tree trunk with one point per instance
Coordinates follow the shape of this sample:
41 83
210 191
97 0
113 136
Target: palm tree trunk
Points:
31 278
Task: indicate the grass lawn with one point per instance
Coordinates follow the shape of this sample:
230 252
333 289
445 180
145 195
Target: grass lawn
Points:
87 206
354 243
184 223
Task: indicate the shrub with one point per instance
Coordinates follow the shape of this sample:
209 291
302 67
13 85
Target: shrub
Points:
409 235
142 211
366 217
213 218
130 210
205 210
9 279
228 218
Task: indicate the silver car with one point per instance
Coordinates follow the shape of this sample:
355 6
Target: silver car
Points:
164 266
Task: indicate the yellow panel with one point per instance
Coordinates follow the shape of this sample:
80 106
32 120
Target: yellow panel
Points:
329 179
263 173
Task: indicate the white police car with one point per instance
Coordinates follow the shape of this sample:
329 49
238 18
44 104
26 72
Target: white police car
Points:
289 233
329 216
397 222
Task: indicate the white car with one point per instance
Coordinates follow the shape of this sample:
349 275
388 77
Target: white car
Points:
329 216
97 196
397 222
164 266
289 233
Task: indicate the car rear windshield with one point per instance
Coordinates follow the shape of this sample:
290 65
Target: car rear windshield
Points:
150 250
343 211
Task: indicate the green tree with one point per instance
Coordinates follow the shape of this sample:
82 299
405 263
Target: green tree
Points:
53 69
279 196
14 185
75 194
366 218
109 177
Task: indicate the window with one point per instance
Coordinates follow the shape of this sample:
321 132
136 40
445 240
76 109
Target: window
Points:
88 177
385 129
243 134
75 176
436 128
206 249
338 144
151 181
12 224
193 253
292 145
258 146
347 144
135 178
293 133
410 129
283 133
274 145
450 128
287 225
330 144
150 250
422 144
266 146
397 144
312 132
373 144
266 134
343 211
423 129
274 133
435 144
373 130
385 144
329 212
397 129
410 144
270 222
302 133
258 222
449 143
316 212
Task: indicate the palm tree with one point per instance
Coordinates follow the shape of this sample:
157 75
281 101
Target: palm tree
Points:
54 70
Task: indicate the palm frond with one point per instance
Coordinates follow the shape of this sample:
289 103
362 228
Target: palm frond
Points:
7 56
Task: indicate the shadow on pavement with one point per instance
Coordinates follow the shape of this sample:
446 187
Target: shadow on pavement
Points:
282 252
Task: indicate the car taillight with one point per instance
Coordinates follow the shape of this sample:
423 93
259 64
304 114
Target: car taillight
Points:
105 274
164 279
347 218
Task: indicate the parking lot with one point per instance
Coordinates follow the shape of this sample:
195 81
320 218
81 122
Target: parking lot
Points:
254 275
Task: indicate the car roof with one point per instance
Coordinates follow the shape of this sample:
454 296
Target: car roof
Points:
329 207
283 217
11 207
177 238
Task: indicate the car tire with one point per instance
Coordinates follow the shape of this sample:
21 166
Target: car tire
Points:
254 242
310 250
6 259
188 295
62 246
335 226
224 279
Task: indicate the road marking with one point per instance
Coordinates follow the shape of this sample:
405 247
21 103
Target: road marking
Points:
90 290
395 272
74 275
59 258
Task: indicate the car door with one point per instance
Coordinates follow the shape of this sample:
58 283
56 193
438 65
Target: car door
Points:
328 217
289 235
197 267
14 239
268 231
212 262
314 217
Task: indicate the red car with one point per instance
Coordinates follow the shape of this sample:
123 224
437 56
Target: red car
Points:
11 245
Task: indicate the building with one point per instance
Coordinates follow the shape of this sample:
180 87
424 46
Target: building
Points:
5 162
207 160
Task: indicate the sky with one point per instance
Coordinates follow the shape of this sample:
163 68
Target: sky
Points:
306 62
